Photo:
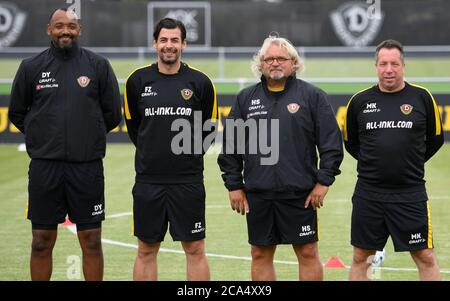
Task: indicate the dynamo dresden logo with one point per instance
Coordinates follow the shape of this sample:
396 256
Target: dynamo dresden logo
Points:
83 81
187 94
293 107
406 109
357 23
12 22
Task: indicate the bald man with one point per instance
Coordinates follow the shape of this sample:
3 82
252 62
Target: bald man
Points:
65 100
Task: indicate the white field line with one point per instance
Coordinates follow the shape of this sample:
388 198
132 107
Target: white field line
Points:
338 200
246 258
439 197
130 213
119 215
349 199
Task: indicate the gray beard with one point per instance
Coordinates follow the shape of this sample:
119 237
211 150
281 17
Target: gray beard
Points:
278 76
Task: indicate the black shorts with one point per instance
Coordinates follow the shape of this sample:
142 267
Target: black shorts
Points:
280 221
58 188
180 205
409 225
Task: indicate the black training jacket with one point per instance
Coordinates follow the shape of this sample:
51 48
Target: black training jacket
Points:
392 135
307 124
65 101
154 104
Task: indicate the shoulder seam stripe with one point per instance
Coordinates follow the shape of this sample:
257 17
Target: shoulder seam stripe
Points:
125 98
346 110
437 116
214 112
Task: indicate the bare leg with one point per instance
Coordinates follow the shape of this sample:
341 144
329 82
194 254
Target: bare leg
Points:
146 265
91 246
197 268
310 267
41 262
361 263
427 264
262 263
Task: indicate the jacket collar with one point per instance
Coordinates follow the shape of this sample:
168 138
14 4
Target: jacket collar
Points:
66 52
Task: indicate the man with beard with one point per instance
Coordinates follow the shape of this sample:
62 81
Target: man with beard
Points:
65 100
169 183
280 199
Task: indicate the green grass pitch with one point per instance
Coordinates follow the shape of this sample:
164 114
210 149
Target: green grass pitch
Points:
226 241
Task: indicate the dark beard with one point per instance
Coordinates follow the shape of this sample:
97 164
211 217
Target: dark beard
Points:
168 62
64 47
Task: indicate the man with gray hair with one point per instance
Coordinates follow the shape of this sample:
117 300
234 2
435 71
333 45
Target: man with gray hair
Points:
280 199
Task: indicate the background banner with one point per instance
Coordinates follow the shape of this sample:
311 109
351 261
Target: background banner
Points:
235 23
9 134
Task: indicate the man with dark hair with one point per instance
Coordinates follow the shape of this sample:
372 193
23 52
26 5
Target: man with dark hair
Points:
65 100
169 23
390 44
392 129
169 184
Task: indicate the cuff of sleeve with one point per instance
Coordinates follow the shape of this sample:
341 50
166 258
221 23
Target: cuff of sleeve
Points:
325 180
235 186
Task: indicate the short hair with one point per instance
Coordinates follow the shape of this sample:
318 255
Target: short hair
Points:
170 24
390 44
63 9
258 58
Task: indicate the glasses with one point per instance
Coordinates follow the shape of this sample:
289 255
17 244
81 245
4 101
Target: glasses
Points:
271 60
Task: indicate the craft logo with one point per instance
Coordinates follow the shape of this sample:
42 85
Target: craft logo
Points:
357 23
12 22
